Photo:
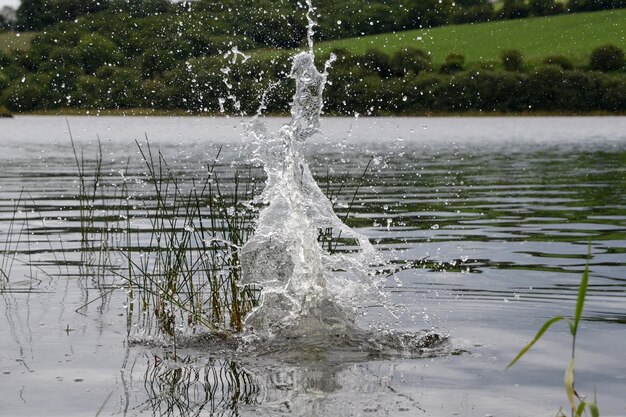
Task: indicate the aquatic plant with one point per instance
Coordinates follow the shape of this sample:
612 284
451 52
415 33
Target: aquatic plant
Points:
187 269
577 403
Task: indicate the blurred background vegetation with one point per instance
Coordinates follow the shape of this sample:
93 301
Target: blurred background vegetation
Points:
395 56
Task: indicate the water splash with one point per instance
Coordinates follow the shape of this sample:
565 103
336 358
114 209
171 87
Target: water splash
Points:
305 288
311 292
301 281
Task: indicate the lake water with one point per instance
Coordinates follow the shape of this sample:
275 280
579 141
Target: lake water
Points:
496 215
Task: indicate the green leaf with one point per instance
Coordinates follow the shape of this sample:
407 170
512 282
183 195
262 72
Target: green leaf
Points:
593 406
581 408
540 333
582 293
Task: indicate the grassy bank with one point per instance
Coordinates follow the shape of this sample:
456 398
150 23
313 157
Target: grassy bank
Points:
573 35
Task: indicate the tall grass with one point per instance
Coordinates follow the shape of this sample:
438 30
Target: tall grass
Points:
184 270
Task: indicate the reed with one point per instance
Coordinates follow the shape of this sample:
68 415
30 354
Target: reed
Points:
186 273
578 405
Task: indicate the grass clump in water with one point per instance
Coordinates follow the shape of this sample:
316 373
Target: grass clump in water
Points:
186 266
173 249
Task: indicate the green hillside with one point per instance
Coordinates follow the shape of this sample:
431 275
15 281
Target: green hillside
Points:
574 35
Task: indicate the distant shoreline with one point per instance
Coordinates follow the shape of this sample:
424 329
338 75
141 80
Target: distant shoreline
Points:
184 113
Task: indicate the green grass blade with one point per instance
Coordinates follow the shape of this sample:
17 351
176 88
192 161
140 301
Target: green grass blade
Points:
540 333
593 406
582 293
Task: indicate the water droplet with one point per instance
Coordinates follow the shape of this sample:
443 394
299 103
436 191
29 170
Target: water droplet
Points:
434 226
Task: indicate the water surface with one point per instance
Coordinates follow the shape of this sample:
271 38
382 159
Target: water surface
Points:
495 215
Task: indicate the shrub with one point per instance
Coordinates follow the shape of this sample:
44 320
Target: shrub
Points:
454 63
27 96
88 89
95 51
607 58
473 14
122 89
559 60
513 9
156 62
544 87
4 80
591 5
61 57
614 94
26 60
378 62
541 7
512 60
5 59
411 60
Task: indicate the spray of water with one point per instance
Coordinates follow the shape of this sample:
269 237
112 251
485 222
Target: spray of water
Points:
305 286
311 293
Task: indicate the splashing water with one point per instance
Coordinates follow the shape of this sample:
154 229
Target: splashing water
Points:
301 281
309 294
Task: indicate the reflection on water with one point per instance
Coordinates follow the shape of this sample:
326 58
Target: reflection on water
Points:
217 387
487 220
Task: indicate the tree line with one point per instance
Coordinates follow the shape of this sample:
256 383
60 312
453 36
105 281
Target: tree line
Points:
87 75
337 19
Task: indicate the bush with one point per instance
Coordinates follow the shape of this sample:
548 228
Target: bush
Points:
378 62
410 60
156 62
5 81
26 60
5 59
614 94
95 51
121 88
454 63
512 60
27 96
61 57
513 9
559 60
541 7
474 14
607 58
592 5
544 87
